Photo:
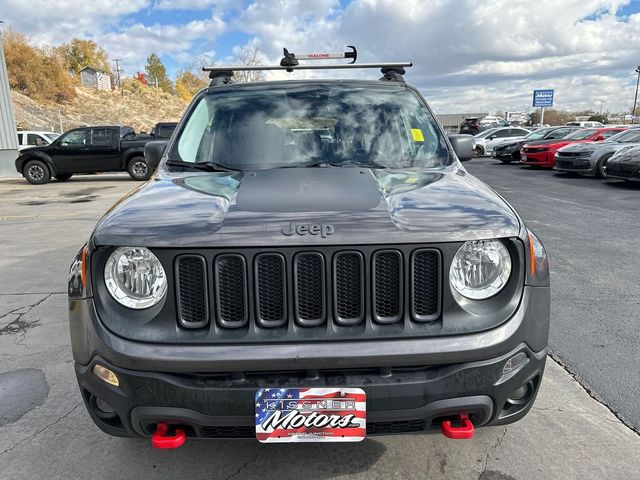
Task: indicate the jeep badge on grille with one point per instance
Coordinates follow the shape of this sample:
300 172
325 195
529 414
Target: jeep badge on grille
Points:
324 230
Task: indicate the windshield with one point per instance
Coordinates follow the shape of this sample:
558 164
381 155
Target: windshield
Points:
302 125
581 134
538 134
52 136
627 136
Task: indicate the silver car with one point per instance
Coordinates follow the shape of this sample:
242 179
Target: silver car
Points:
484 142
591 158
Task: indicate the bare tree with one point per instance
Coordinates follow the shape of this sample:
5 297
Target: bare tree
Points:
250 55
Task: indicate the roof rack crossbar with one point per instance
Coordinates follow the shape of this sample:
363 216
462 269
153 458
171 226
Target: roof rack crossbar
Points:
240 68
222 75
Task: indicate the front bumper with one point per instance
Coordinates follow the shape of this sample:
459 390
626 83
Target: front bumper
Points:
411 384
540 159
399 400
575 164
623 171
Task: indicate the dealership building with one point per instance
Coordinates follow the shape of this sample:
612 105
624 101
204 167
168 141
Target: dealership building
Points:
8 135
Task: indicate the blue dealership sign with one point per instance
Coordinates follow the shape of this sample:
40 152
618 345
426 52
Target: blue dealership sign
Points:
543 98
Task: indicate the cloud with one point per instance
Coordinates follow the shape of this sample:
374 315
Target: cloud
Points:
467 54
133 44
52 23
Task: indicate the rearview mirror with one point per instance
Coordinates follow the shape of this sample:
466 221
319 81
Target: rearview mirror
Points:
463 146
153 152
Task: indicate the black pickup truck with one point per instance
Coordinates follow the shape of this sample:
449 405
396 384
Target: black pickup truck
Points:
106 148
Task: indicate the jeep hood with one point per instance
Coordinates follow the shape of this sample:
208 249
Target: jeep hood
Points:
349 205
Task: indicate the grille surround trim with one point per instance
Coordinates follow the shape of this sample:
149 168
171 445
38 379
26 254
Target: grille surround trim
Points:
218 302
179 299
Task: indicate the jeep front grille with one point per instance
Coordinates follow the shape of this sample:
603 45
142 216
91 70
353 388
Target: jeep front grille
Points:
230 273
293 290
271 289
191 288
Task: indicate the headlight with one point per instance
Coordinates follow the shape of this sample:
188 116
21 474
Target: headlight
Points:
480 269
135 277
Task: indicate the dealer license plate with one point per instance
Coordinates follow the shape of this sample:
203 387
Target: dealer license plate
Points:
310 415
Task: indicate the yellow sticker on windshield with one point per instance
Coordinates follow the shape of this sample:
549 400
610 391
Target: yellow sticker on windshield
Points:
416 133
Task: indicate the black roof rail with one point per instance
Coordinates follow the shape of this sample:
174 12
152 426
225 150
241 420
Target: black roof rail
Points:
393 71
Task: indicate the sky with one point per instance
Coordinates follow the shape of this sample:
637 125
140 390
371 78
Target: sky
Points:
468 55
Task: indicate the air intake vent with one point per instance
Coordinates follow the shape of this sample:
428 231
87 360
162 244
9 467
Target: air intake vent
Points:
349 287
271 289
231 290
387 286
309 288
191 291
425 289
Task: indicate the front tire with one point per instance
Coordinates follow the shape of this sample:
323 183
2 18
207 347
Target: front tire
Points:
478 151
63 177
139 169
601 168
36 172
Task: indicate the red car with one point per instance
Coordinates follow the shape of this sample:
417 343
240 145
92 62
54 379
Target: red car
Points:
542 152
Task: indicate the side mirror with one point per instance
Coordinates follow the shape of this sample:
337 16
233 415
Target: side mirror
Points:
463 146
492 137
153 152
599 138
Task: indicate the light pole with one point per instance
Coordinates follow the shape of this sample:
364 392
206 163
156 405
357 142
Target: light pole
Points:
635 100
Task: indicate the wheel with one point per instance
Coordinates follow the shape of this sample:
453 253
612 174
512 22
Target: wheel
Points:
138 169
36 172
63 177
478 151
601 168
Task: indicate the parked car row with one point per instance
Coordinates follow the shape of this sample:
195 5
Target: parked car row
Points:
105 148
607 151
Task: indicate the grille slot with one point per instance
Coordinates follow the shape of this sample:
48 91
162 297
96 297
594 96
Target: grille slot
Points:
191 291
349 283
425 285
309 288
387 286
271 290
231 290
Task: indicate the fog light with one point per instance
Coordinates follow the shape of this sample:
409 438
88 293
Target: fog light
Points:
104 406
514 363
106 375
518 394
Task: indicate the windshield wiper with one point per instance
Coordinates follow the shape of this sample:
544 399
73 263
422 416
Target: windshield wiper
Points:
343 164
207 166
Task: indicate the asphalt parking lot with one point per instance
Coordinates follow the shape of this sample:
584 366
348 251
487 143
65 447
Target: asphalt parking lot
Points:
589 228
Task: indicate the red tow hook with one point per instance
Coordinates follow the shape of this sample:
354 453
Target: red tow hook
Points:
160 439
458 433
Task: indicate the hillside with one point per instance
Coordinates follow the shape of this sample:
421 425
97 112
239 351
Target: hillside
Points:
140 109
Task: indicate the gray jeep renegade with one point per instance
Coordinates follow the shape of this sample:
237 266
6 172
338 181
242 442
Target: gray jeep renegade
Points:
310 261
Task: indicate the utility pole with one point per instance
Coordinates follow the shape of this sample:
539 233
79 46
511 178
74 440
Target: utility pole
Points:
635 101
118 60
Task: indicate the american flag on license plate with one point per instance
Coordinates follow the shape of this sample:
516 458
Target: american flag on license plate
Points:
310 415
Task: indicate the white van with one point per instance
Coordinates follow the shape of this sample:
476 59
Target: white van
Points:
589 124
32 138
